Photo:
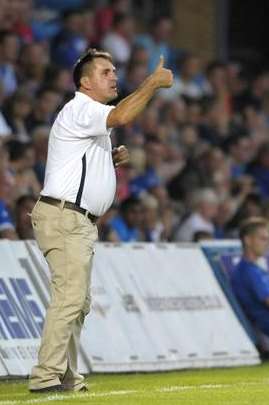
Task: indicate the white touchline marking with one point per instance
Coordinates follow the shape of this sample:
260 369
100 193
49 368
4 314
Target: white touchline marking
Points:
173 388
61 397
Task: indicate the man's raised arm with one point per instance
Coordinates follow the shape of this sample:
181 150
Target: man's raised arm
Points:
130 107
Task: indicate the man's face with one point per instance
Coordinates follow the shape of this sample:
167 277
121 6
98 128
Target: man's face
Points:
258 242
102 80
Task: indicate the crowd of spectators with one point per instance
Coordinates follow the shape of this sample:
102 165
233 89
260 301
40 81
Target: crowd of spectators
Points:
199 154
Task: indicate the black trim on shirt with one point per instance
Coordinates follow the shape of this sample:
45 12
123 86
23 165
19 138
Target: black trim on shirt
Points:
82 181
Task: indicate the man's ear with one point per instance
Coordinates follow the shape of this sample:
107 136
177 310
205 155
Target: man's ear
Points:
85 82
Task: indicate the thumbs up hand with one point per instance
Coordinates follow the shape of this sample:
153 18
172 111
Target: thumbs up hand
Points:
162 77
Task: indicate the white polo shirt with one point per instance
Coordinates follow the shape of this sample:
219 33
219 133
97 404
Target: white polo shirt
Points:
79 164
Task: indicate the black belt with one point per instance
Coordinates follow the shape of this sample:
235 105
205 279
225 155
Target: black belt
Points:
69 205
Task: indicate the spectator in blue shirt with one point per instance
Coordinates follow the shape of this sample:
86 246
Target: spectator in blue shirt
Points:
157 43
127 224
250 281
7 227
70 42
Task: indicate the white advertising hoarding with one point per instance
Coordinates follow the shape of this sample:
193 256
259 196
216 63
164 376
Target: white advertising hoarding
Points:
159 307
21 311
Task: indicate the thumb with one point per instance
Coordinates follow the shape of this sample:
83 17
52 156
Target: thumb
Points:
160 64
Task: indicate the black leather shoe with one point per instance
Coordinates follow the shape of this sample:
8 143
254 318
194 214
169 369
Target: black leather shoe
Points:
52 388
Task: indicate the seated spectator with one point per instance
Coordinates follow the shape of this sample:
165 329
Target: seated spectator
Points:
40 144
259 170
20 13
5 130
47 102
105 230
9 52
33 62
105 16
239 148
157 42
189 83
60 80
251 206
152 225
118 41
70 42
7 227
127 224
250 281
22 160
16 110
205 208
23 208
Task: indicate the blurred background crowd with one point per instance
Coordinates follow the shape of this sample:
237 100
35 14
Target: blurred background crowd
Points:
199 154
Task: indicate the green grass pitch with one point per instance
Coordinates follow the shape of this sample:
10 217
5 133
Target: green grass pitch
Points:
235 386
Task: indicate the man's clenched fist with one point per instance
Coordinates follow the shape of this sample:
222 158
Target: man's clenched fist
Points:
120 156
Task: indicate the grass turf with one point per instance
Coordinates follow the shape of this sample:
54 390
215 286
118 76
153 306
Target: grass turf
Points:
237 386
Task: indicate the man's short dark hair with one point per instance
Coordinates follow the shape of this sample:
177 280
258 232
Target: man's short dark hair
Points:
251 225
86 59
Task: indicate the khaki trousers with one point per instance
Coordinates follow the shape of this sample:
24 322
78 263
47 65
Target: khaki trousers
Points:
66 238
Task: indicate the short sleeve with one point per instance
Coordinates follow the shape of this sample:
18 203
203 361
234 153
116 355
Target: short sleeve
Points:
91 119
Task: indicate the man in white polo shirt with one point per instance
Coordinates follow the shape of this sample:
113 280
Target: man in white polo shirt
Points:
80 185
